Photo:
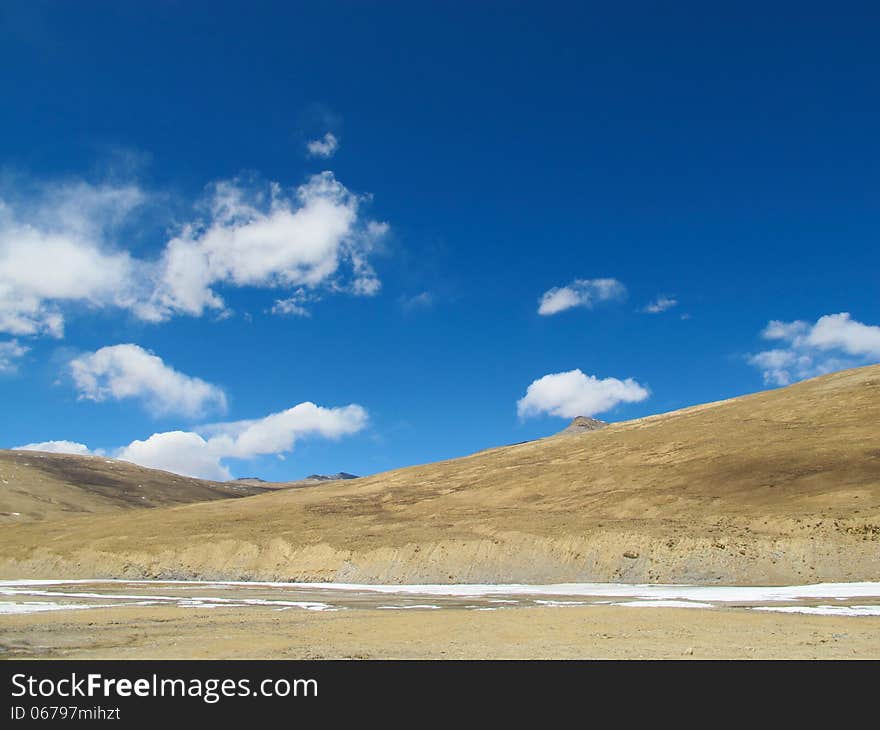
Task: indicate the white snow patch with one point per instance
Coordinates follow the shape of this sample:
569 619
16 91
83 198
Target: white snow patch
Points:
660 603
824 610
8 607
125 599
690 596
721 594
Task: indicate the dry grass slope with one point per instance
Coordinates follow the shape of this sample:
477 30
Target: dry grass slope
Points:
779 486
38 486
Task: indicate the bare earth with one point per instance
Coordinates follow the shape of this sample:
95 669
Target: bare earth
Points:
594 632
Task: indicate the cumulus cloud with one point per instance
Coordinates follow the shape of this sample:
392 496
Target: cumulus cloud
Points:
580 293
60 247
660 304
573 393
11 352
55 249
833 342
57 447
202 451
128 371
277 432
267 239
181 452
325 147
841 332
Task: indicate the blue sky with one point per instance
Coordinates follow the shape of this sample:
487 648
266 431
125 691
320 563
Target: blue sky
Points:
175 261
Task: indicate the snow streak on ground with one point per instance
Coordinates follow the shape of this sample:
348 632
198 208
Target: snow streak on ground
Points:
825 610
58 595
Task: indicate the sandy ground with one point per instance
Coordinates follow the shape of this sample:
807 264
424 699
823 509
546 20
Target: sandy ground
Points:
603 632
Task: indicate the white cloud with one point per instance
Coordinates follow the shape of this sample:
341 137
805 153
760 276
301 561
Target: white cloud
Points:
129 371
572 394
324 147
840 332
277 432
57 447
201 454
660 304
181 452
290 307
424 300
59 246
10 352
294 306
267 239
834 342
580 293
776 330
55 249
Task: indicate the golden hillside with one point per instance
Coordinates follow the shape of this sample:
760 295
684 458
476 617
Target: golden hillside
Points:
779 486
38 485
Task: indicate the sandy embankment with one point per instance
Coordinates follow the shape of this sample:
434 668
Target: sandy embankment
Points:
730 555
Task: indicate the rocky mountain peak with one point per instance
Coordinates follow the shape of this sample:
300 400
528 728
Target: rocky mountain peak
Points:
584 423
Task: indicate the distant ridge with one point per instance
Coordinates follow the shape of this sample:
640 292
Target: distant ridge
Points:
310 478
330 477
308 481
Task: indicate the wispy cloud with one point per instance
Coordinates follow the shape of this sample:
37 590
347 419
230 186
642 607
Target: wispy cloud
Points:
11 352
59 246
834 342
423 300
660 304
294 305
580 293
325 147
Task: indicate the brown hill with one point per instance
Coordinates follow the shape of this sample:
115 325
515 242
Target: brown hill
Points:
776 487
38 485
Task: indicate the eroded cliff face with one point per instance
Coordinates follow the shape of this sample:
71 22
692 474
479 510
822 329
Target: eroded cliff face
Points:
732 554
